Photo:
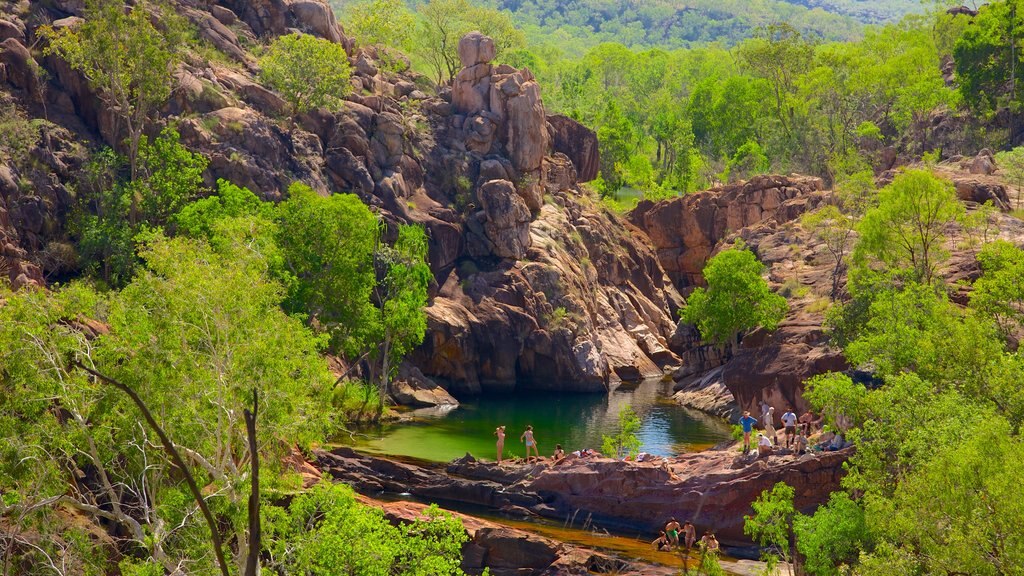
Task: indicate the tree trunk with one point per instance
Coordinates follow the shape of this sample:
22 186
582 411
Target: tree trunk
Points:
252 564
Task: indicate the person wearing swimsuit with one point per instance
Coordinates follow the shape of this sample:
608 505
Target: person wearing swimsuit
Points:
672 531
531 443
500 433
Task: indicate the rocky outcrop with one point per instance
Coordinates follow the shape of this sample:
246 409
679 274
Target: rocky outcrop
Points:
713 489
685 231
578 143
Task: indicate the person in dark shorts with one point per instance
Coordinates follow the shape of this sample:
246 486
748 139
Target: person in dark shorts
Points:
789 421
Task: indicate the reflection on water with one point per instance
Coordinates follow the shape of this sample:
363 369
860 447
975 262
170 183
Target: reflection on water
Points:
573 420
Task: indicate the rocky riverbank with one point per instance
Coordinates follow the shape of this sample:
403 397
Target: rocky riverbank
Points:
713 489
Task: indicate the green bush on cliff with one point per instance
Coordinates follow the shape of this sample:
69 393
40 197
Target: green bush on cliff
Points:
737 298
308 71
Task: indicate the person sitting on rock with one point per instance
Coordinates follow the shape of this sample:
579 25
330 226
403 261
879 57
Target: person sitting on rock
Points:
764 445
712 543
825 440
800 444
661 543
559 453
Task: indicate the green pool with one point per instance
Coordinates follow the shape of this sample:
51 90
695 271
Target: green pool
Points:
573 420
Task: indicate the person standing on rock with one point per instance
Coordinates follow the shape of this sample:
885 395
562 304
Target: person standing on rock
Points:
789 421
531 443
690 534
747 422
500 433
769 424
672 530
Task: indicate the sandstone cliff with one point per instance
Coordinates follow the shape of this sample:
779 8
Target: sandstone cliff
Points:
535 284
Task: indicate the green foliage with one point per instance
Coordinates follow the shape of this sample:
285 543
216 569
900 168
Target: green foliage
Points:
382 22
128 61
443 22
625 442
985 58
737 298
112 211
195 334
325 532
832 537
906 229
1011 163
18 135
999 293
402 296
772 522
327 244
169 176
749 160
615 142
309 72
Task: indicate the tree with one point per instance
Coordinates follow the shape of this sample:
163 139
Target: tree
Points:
832 537
615 140
835 229
127 61
401 296
999 292
193 334
444 22
988 59
382 22
737 298
779 53
327 245
325 531
771 526
625 442
110 212
1011 162
309 72
906 230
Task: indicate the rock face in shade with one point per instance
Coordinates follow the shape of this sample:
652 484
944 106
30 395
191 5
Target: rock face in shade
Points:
713 489
577 142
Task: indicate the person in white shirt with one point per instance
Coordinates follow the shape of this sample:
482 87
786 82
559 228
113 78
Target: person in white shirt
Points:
764 445
789 421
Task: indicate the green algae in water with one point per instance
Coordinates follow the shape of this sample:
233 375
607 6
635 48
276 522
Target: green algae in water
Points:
573 420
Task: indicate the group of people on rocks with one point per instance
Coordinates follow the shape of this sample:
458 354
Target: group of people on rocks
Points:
797 432
669 538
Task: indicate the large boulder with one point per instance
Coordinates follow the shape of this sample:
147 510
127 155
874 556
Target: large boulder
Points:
412 388
507 219
476 48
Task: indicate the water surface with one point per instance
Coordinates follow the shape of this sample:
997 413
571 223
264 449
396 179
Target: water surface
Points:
573 420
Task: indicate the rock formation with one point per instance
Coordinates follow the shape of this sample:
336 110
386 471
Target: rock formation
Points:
536 284
714 489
